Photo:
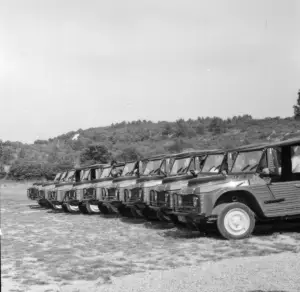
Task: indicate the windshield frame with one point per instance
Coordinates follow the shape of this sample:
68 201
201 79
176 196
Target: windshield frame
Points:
233 171
158 168
220 166
85 172
63 176
104 172
181 158
69 176
128 171
58 176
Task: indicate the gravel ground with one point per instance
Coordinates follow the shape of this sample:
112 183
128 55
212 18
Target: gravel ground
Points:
268 273
46 251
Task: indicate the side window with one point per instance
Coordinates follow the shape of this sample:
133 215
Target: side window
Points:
274 160
295 156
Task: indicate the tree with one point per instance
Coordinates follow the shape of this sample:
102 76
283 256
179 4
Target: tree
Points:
297 107
95 154
217 126
129 154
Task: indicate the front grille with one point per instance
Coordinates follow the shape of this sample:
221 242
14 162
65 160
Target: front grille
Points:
32 193
135 195
70 196
89 194
112 194
41 194
52 195
158 199
188 203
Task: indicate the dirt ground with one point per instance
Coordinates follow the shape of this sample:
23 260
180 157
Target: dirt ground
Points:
46 251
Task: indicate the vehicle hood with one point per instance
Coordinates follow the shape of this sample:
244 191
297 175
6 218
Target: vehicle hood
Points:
221 184
123 183
176 183
63 186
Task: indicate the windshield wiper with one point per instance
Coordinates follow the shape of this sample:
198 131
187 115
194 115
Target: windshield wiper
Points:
255 165
244 168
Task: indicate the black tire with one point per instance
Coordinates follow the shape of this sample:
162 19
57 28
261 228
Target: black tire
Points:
83 209
223 212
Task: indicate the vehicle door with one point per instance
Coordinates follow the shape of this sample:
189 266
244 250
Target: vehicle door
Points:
286 192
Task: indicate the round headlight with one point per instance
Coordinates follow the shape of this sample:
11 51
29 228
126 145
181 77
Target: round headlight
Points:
179 200
195 201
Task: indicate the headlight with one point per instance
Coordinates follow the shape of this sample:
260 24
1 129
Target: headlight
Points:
179 200
195 201
104 192
152 195
126 195
167 196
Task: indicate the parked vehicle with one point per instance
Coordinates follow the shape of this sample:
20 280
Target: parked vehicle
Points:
82 196
33 191
118 192
155 169
262 185
46 189
56 196
185 167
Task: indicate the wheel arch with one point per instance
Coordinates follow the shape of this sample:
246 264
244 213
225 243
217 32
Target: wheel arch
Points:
241 196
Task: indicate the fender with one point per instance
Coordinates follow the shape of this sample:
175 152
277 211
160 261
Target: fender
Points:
211 199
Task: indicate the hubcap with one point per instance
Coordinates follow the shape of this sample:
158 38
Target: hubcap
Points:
237 222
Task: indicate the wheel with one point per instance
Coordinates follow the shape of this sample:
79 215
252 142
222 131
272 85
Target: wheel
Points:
235 220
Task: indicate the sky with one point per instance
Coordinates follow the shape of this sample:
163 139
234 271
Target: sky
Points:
73 64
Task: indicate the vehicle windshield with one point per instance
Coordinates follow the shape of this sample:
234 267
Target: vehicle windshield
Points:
180 165
63 176
128 168
213 163
57 176
247 161
152 167
106 171
70 174
85 174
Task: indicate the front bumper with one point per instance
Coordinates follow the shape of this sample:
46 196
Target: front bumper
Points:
193 221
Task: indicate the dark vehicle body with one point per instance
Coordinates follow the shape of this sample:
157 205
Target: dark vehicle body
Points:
86 194
118 191
56 196
262 185
184 167
155 169
33 191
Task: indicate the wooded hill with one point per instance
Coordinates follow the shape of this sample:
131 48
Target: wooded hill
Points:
130 140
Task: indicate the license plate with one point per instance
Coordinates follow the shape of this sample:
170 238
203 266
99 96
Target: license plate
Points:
181 219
